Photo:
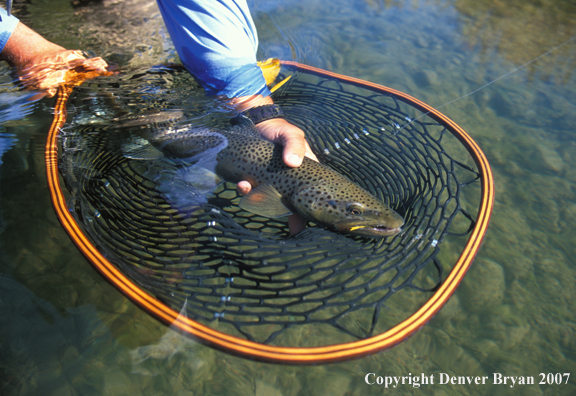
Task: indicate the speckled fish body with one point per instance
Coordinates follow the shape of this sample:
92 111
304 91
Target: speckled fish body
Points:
313 190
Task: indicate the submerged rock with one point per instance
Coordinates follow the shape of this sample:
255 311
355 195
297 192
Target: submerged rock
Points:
426 78
484 285
550 159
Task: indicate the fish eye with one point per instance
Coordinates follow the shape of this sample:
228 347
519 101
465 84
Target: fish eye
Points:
354 209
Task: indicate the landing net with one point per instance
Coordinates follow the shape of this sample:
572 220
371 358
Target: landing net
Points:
239 281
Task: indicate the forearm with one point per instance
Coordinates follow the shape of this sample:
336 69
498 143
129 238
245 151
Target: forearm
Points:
24 44
217 42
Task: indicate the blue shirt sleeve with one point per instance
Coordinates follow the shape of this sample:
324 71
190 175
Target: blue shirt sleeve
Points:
217 42
7 26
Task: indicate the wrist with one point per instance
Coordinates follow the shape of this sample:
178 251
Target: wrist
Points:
260 114
246 102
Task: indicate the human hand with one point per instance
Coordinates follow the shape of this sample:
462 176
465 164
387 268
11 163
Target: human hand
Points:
46 71
44 65
292 138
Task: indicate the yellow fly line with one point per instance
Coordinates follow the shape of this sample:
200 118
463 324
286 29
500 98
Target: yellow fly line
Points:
251 349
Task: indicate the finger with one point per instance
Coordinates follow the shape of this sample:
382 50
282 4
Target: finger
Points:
72 55
97 64
294 148
50 92
243 187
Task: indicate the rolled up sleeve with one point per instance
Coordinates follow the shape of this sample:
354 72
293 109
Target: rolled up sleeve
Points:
217 42
7 26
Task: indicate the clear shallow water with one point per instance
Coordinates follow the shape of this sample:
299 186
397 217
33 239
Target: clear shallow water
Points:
64 330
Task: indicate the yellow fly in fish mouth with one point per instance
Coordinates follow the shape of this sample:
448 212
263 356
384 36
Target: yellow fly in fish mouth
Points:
372 222
370 229
333 208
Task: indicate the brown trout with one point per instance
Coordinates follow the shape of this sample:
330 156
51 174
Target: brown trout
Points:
313 190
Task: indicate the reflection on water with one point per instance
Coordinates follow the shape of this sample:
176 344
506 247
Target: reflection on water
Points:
66 331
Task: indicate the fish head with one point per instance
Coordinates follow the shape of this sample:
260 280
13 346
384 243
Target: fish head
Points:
349 209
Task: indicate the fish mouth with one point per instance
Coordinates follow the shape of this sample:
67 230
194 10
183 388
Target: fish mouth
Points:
377 231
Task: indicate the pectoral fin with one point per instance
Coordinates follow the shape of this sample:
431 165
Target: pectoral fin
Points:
200 177
265 201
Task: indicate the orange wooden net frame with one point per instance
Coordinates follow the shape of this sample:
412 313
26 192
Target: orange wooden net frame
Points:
251 349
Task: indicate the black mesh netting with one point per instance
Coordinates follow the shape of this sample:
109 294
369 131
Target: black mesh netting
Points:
241 273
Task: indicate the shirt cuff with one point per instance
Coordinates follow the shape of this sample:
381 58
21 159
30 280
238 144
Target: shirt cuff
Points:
7 26
233 81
